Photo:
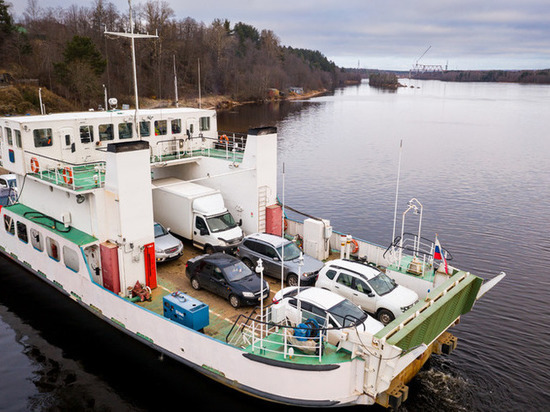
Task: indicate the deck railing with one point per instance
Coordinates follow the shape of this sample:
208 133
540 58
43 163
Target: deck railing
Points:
76 177
228 146
261 336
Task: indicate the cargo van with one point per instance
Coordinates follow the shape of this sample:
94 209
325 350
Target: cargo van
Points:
197 213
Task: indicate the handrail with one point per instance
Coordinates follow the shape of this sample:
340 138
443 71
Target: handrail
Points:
397 244
64 161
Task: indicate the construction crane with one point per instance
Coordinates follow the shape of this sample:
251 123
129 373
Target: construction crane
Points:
421 68
417 60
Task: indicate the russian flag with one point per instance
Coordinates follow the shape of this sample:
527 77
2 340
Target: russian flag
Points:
438 254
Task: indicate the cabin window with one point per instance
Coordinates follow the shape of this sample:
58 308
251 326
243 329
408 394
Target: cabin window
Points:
70 258
106 132
9 225
145 129
176 126
204 124
125 130
330 274
160 127
22 232
36 240
42 137
18 142
86 134
191 127
53 248
8 136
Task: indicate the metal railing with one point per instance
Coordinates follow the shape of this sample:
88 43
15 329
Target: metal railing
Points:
229 146
76 177
260 335
420 248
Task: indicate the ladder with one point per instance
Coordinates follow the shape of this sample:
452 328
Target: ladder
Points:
262 204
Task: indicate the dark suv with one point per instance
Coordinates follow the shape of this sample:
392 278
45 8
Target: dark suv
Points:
226 276
275 249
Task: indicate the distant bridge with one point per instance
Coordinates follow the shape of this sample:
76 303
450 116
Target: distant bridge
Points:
427 68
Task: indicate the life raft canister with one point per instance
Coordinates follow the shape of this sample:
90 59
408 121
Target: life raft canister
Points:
68 175
35 167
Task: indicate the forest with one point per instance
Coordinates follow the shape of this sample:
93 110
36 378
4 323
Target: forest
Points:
66 51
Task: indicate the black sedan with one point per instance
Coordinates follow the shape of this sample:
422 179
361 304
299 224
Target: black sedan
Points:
226 276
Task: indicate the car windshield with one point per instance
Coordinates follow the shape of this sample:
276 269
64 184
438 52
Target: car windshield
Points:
291 251
237 271
382 284
346 313
159 230
221 222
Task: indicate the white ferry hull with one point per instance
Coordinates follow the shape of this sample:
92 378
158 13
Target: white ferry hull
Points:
311 386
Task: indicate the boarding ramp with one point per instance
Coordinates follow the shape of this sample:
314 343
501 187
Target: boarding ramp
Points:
428 319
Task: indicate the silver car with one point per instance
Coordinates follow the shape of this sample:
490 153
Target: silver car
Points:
167 246
8 189
275 249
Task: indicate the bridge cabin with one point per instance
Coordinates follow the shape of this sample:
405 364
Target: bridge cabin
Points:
31 144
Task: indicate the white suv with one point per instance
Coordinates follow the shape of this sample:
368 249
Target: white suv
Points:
367 287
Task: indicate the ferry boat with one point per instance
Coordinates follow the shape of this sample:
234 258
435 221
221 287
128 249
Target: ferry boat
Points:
83 221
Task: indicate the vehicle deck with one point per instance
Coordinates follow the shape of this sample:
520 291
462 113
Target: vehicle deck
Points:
171 277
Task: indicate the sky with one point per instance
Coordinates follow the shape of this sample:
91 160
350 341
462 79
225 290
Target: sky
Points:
384 34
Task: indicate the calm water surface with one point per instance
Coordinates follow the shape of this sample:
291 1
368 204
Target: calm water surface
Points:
475 156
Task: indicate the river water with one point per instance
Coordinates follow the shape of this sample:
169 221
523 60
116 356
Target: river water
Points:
474 155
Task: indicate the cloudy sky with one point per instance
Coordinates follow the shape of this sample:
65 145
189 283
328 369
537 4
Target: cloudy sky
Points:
386 34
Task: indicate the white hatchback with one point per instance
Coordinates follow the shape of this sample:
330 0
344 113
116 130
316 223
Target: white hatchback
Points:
367 287
329 309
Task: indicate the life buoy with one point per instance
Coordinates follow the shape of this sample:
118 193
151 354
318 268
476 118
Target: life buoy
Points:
286 225
224 137
35 167
68 175
355 246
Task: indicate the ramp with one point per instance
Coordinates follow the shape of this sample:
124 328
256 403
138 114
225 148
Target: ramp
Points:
428 319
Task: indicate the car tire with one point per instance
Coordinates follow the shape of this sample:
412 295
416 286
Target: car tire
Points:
234 301
292 279
208 249
195 283
250 264
385 316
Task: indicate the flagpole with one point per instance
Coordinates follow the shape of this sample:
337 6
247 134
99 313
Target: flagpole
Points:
397 191
283 232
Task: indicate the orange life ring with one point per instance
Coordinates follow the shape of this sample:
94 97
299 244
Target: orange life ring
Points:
224 137
286 225
356 246
68 175
35 167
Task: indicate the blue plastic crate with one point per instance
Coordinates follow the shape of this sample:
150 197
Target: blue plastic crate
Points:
186 310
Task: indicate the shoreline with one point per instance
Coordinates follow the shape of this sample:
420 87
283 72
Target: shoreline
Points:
15 104
223 102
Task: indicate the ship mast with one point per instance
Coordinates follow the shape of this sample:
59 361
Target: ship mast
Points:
133 36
